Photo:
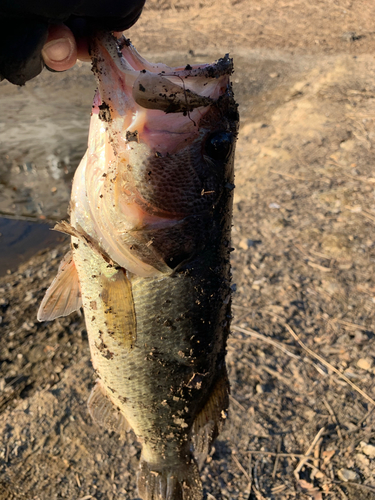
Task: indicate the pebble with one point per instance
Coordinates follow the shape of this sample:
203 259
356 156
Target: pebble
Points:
29 296
260 388
368 449
347 475
365 363
247 243
243 244
362 460
54 253
27 325
360 337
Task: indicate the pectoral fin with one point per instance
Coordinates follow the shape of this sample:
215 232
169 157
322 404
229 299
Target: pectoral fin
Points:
117 298
104 412
63 296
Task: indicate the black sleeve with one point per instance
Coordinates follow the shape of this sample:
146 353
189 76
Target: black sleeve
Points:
24 28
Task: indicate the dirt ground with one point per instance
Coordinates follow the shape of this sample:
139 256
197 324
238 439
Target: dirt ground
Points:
301 357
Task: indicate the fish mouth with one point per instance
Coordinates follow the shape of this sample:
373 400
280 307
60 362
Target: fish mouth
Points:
154 98
156 86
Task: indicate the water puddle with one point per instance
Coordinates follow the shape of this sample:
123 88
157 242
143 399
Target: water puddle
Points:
43 136
21 239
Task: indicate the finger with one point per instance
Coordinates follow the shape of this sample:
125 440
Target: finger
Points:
60 50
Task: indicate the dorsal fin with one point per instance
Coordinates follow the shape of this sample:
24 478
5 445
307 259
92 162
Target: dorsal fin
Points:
63 296
104 412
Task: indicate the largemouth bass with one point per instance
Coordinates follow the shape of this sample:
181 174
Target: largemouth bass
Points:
151 212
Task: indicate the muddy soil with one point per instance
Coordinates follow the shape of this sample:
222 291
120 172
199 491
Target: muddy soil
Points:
301 357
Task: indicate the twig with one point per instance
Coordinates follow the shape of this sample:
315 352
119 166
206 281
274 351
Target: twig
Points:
258 494
241 316
328 365
236 403
342 493
317 457
318 266
334 419
351 325
278 489
355 178
29 218
276 374
279 345
330 468
235 306
241 468
255 473
368 216
308 253
266 339
276 460
286 174
358 426
250 474
315 470
365 417
358 485
275 454
308 452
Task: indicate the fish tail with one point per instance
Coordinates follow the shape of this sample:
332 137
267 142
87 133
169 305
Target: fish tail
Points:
173 483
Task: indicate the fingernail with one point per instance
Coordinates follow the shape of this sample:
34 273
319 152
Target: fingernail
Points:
58 50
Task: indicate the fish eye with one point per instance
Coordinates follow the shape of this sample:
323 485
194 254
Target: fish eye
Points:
218 145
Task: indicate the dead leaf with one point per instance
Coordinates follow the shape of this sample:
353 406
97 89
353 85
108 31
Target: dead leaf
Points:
305 484
327 455
315 493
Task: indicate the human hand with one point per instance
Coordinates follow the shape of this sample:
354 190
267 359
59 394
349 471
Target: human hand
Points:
54 33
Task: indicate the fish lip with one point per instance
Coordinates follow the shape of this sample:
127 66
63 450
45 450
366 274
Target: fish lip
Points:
223 66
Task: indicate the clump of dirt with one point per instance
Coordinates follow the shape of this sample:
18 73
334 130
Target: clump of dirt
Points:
301 358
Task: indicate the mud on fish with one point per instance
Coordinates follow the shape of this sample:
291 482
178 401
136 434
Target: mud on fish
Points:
151 212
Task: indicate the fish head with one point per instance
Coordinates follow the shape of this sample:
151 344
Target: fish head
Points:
160 155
